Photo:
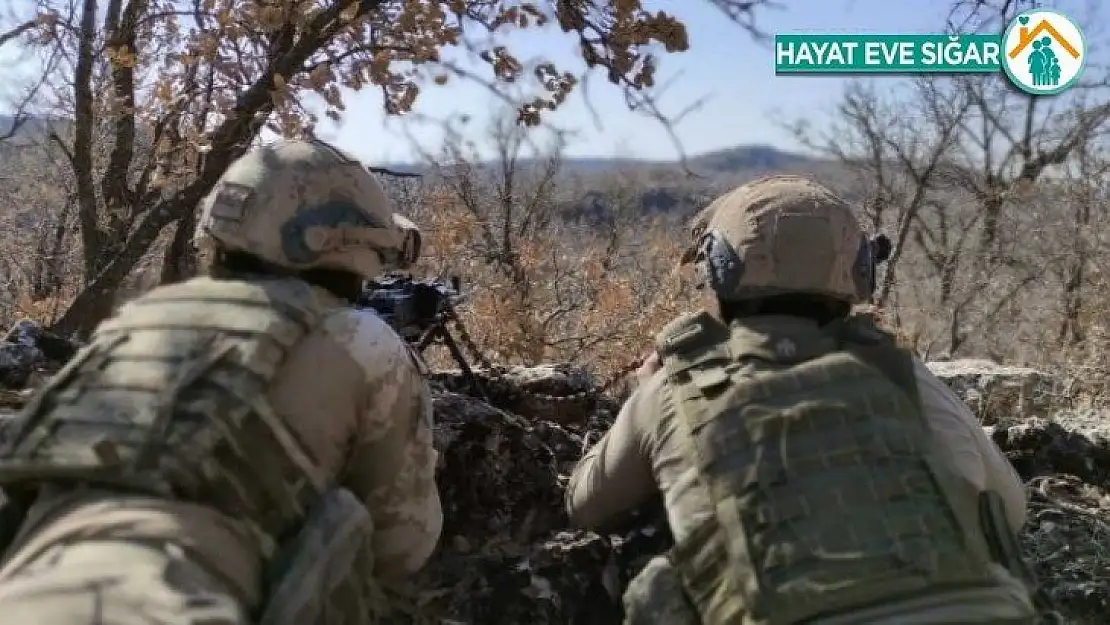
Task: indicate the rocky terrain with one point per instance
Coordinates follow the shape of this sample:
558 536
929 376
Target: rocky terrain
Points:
506 556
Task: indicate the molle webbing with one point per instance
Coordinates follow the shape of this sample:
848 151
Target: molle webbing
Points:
170 398
819 463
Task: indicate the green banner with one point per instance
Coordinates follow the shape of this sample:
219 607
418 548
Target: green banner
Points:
887 54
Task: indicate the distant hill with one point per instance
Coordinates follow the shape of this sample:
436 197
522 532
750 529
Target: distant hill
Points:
751 157
665 187
30 128
739 160
5 123
729 161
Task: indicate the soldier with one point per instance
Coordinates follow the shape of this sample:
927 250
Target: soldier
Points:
812 471
243 446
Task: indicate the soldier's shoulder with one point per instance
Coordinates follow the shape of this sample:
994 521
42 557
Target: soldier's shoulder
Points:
369 340
689 331
192 284
650 404
199 287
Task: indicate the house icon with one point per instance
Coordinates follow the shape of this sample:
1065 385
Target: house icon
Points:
1027 36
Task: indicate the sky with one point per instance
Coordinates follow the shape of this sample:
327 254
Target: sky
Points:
746 103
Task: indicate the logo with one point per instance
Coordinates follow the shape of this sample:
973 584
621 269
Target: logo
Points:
1043 52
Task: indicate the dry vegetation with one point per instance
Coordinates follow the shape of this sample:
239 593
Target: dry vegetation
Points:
558 279
132 109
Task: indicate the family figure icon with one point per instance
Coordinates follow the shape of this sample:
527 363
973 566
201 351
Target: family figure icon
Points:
1045 51
1044 67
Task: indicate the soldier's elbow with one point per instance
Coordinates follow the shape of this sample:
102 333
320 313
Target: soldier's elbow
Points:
571 511
412 561
425 541
589 518
408 549
579 510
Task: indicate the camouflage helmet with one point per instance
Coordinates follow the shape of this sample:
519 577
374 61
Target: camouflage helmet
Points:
304 204
779 235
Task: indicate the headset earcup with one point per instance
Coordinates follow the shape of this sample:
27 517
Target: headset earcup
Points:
723 267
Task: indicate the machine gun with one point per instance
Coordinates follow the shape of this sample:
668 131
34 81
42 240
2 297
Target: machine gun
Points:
420 311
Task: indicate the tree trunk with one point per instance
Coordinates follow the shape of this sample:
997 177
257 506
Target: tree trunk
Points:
180 259
1071 331
228 142
94 303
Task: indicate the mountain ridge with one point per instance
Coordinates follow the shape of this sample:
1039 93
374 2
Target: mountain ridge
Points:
761 156
674 187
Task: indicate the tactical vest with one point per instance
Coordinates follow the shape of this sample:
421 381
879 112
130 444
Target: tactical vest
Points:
820 464
170 399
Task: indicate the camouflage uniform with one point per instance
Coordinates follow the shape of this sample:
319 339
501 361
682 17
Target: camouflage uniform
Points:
814 474
225 443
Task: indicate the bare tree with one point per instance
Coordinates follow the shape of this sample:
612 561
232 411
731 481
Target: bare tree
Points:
511 204
1086 200
895 149
37 227
157 99
965 171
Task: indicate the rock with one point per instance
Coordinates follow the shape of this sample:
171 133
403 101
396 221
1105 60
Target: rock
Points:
997 393
28 350
1067 478
1092 421
1040 447
562 393
494 460
17 364
505 555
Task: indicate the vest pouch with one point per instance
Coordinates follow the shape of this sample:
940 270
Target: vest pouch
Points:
323 575
702 562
